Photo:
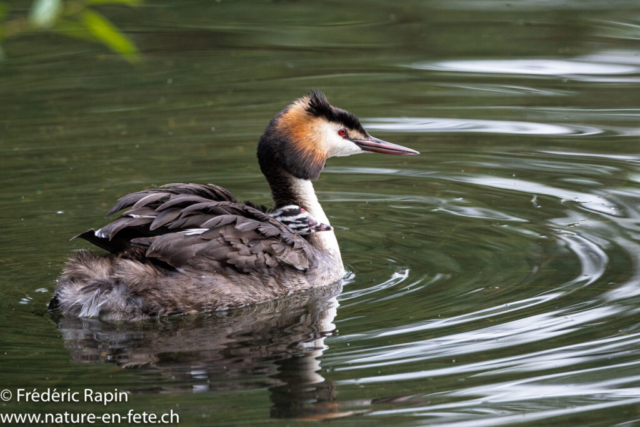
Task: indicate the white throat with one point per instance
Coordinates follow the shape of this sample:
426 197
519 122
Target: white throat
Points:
306 197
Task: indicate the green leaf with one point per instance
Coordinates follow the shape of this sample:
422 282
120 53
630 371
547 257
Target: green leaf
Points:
2 55
44 13
127 2
109 35
73 29
3 10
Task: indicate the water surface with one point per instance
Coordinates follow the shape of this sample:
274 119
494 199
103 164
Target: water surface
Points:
493 280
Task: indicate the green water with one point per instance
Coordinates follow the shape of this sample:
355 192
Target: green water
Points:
493 280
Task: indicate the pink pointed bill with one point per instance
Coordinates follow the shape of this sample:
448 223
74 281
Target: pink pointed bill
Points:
376 145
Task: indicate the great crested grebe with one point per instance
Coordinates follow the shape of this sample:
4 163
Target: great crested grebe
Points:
189 248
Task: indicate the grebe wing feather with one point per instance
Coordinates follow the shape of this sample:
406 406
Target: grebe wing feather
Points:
233 242
153 196
202 227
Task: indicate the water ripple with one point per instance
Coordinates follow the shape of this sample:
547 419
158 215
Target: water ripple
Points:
432 125
587 227
396 278
597 67
542 67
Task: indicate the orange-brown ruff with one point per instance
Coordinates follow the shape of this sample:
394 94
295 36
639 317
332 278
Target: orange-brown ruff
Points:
307 133
190 248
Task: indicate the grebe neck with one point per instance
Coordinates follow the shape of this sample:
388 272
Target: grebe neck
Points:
286 189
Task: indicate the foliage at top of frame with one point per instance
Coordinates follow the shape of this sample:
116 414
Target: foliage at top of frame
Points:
72 18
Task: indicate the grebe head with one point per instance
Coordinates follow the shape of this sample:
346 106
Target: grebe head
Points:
304 135
298 220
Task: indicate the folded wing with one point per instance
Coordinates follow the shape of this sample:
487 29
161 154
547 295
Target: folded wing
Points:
204 228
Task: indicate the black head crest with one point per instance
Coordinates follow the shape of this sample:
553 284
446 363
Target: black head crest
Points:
320 107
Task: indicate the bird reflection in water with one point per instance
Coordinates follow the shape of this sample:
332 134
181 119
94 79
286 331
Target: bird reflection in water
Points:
276 345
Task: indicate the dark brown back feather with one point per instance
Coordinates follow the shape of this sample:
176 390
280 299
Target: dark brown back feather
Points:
170 222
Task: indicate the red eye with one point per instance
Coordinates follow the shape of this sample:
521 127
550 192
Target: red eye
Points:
302 210
342 132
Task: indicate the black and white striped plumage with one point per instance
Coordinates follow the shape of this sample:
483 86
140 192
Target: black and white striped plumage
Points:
298 220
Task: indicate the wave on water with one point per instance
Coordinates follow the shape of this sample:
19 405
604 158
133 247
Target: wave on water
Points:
596 67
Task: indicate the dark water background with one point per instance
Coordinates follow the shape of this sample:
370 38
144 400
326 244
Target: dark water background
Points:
493 280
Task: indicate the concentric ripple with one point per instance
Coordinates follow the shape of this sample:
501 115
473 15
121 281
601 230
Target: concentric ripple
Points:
545 294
